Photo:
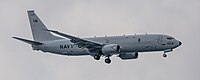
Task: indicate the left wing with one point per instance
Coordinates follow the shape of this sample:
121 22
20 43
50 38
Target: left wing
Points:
92 46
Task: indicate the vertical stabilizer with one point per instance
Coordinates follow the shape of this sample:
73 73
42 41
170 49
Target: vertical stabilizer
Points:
39 29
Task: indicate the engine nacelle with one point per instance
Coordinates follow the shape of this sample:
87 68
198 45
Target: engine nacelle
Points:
126 56
111 48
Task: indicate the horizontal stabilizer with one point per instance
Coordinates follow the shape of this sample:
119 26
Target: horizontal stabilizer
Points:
28 41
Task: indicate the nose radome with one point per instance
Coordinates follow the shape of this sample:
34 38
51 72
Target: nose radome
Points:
180 43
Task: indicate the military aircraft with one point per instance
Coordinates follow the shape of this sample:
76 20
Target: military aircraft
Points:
125 47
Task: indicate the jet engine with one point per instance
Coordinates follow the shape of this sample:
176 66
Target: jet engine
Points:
110 48
126 56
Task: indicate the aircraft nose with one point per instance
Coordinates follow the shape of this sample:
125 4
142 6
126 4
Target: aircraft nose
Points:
180 43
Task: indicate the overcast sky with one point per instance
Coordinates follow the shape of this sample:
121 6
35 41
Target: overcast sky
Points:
86 18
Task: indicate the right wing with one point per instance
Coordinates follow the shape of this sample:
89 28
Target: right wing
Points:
92 46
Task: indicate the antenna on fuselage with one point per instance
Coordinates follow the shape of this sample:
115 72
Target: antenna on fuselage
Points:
124 35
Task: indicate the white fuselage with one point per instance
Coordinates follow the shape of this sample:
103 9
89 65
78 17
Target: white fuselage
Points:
132 43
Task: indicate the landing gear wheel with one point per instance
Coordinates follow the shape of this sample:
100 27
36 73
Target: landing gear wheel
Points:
96 57
107 60
164 55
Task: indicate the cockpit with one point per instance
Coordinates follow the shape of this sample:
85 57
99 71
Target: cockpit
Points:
170 38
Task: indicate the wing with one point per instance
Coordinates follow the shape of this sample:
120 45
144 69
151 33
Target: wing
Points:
92 46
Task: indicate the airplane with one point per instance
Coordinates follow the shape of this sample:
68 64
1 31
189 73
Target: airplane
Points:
125 47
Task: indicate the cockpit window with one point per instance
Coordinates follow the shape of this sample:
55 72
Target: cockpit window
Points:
170 38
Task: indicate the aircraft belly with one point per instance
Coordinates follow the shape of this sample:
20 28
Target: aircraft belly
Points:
75 52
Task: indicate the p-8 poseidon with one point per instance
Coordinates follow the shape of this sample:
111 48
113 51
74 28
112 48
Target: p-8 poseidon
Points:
125 47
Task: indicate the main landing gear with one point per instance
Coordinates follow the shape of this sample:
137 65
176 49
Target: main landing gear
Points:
108 60
97 57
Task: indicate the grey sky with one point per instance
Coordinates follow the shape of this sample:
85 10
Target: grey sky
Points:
179 18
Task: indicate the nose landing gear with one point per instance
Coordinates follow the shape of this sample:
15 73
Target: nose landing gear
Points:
166 51
164 55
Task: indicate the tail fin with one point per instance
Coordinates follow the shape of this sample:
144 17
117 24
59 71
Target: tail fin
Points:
38 29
